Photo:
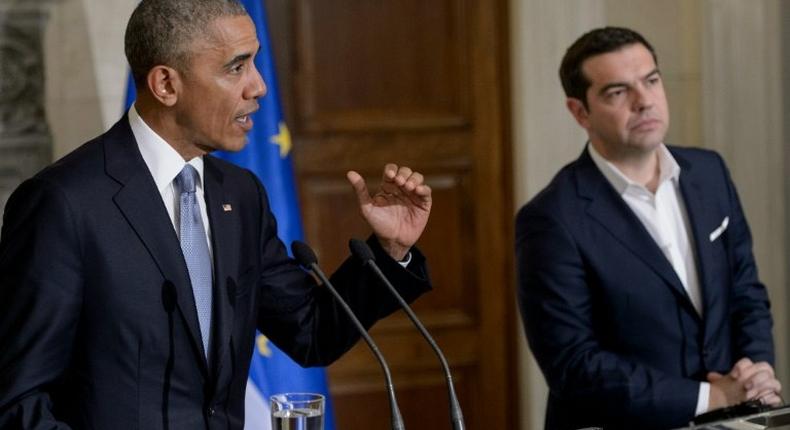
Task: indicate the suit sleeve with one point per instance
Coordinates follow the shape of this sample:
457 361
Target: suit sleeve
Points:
749 305
40 299
556 305
303 319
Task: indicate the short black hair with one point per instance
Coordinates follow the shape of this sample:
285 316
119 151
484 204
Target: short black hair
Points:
160 32
592 43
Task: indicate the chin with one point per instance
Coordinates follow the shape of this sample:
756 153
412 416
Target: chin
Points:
235 145
650 143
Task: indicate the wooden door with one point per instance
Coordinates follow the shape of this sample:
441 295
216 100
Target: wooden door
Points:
420 83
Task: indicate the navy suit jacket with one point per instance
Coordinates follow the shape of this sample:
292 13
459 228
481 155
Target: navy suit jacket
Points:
606 316
98 327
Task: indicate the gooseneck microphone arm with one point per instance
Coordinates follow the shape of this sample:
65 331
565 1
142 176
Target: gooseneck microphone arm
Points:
362 251
306 257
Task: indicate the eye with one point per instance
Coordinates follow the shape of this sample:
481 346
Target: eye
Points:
237 68
615 93
653 80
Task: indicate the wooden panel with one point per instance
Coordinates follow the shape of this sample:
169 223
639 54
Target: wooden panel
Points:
423 84
406 352
330 224
352 75
422 399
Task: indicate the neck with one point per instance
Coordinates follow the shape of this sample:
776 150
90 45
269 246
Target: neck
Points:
643 171
639 166
162 121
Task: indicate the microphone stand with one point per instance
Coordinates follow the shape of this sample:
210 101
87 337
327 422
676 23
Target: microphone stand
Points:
362 251
306 257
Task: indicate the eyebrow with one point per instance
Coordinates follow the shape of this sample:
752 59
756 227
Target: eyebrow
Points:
609 86
237 59
240 58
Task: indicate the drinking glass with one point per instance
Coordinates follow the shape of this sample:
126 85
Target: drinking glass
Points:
297 411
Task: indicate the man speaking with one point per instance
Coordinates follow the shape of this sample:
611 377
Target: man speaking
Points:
135 271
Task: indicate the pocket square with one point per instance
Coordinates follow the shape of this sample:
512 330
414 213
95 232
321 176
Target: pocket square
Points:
720 229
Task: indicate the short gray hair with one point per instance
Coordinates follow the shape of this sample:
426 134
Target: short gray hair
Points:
160 32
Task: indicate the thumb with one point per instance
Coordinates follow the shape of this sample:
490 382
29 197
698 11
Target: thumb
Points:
358 183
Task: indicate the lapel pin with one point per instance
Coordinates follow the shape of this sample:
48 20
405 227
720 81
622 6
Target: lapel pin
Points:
227 207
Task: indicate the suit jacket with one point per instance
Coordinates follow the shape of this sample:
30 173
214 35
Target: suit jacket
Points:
98 327
606 316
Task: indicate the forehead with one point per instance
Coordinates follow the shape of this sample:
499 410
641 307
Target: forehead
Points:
625 64
228 36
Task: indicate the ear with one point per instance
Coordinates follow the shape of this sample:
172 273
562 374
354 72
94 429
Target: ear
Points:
164 83
579 112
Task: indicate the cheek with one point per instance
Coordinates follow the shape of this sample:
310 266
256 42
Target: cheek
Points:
218 115
611 122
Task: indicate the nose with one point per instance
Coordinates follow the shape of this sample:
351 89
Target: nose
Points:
257 87
642 98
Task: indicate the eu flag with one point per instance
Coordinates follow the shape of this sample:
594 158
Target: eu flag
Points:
268 155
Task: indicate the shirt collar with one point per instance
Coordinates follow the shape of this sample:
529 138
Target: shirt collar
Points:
668 168
163 161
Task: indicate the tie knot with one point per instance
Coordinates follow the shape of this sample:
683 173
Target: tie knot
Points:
187 178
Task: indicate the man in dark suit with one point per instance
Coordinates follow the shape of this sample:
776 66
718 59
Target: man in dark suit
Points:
637 284
135 270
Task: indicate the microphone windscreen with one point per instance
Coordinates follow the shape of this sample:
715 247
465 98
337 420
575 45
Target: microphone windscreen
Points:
361 250
303 254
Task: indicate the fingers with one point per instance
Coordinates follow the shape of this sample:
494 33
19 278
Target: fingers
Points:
761 384
746 381
390 170
758 379
403 180
748 372
358 182
740 367
771 399
396 175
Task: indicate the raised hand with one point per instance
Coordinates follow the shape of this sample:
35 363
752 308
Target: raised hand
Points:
398 211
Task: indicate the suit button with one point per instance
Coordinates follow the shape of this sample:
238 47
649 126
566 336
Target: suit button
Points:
211 412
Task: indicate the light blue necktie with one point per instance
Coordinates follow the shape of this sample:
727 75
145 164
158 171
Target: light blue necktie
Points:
195 249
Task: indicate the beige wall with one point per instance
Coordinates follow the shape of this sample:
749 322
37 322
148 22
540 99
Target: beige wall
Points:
721 60
85 69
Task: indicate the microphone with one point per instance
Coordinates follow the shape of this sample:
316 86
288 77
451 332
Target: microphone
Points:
306 258
362 251
169 300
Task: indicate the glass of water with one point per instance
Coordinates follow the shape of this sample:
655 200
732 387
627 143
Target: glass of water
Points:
297 411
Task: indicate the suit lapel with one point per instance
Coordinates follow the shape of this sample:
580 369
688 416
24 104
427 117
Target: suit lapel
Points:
138 201
225 232
700 216
609 210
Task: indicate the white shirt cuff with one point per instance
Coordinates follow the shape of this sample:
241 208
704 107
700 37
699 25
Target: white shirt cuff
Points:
405 262
703 399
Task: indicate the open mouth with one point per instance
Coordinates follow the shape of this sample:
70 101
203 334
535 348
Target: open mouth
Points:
244 120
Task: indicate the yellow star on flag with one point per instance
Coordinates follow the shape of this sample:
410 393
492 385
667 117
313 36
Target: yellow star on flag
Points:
262 343
283 140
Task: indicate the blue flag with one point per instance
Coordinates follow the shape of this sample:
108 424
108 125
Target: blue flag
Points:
268 155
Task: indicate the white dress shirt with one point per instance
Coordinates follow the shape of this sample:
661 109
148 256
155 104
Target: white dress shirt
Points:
165 163
664 216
